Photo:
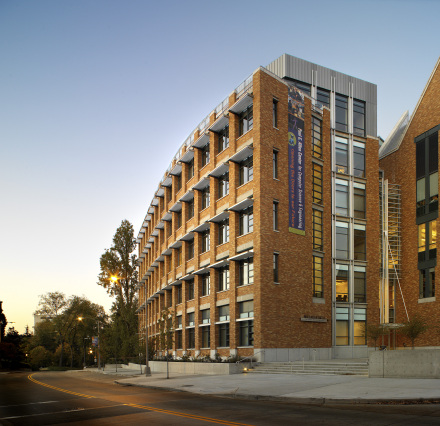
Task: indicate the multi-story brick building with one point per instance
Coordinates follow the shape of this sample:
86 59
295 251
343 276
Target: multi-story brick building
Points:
409 163
263 235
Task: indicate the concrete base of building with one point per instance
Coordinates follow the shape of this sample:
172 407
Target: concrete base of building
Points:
417 364
205 368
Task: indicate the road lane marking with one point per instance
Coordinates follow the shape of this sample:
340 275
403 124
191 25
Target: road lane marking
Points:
29 403
143 407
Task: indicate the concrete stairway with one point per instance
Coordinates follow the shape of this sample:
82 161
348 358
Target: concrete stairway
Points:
357 367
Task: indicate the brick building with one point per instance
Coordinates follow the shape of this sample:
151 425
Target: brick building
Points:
263 235
409 198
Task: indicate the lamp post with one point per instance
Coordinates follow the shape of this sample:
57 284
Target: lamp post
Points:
147 367
99 339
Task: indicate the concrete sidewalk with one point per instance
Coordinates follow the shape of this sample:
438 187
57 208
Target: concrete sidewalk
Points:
310 389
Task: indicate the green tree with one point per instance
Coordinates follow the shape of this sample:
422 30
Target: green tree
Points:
119 277
166 333
40 357
413 328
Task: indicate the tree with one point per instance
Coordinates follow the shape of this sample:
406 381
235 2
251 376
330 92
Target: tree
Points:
374 332
166 333
119 277
413 328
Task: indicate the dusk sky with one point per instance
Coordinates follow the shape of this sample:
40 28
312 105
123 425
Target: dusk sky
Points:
97 96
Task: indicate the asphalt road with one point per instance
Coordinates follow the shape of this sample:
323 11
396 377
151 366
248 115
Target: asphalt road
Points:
49 398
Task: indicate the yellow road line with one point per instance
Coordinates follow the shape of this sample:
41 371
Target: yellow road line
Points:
143 407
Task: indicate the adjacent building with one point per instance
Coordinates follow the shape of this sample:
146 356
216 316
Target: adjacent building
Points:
263 235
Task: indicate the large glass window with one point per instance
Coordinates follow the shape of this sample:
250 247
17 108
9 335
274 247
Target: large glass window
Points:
358 117
360 284
205 155
223 139
427 247
317 183
246 221
341 155
206 285
360 319
359 159
304 87
342 251
427 283
223 335
246 333
190 209
246 120
323 97
178 253
223 231
191 334
316 137
223 278
246 170
359 200
317 277
190 245
317 229
190 287
179 293
206 336
360 242
223 185
178 183
342 284
342 329
341 112
246 271
206 241
206 316
205 197
178 217
223 313
341 202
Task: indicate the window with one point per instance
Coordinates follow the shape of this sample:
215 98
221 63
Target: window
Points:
179 293
206 336
223 335
342 283
342 251
246 271
190 245
223 231
304 87
359 200
341 155
206 241
317 183
341 326
427 283
190 167
190 286
358 159
223 278
169 192
316 137
360 239
275 268
178 183
341 112
358 117
191 321
206 316
360 319
205 155
246 120
275 164
223 185
275 215
178 216
317 277
275 113
246 221
206 285
427 248
223 313
178 256
190 209
191 338
205 197
223 139
169 229
359 284
317 230
341 202
246 170
246 310
427 172
323 97
179 340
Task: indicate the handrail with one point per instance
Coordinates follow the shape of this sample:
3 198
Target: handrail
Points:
250 356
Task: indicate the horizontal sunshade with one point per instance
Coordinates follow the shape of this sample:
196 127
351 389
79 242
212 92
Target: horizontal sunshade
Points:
187 197
188 156
177 169
220 264
242 104
244 255
220 170
202 227
202 141
176 208
221 216
220 124
168 181
187 237
242 205
242 154
202 184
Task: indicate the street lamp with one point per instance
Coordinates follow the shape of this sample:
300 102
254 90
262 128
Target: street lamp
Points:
99 340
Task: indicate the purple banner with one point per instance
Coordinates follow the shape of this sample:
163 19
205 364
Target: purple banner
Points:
296 161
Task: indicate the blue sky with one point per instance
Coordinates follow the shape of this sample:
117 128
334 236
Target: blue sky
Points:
91 92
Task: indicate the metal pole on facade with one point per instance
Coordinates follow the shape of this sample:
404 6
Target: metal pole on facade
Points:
147 367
